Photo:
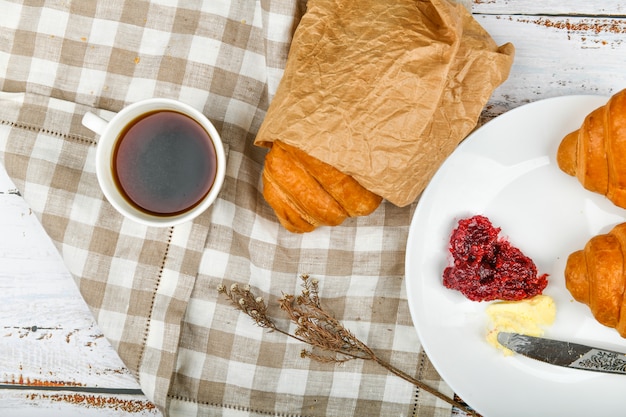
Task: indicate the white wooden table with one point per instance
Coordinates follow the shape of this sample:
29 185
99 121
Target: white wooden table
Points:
563 47
54 360
49 343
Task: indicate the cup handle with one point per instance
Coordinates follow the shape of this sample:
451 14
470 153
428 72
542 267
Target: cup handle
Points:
94 123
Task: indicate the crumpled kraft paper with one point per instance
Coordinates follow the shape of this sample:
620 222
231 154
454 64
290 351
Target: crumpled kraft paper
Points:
384 91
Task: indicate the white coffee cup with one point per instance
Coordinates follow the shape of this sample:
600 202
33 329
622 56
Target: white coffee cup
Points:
159 139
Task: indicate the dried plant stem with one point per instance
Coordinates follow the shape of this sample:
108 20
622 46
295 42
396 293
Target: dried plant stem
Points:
419 384
320 330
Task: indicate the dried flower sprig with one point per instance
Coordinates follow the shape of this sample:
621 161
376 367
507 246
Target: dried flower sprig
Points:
320 329
254 307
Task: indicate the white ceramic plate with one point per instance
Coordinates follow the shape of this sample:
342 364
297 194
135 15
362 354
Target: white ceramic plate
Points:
507 171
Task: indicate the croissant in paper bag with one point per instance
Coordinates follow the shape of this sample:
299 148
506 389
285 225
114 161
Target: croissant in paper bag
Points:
595 276
380 93
306 192
596 153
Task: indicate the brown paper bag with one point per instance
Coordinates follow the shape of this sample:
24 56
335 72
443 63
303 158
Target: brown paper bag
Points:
384 91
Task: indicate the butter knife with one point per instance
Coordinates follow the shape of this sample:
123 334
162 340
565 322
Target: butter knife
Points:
567 354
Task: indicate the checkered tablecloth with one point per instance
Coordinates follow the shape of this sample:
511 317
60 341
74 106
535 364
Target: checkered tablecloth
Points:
153 291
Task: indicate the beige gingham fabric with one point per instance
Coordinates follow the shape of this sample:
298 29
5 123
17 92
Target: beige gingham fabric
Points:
153 291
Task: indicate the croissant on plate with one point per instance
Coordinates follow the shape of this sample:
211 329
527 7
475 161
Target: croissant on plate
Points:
306 193
596 153
595 276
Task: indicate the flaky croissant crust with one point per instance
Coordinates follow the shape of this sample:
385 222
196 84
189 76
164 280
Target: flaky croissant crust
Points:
306 193
596 276
596 153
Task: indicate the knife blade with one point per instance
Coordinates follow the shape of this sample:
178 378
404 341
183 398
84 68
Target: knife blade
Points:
567 354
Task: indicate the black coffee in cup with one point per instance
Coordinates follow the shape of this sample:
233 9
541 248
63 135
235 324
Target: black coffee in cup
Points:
164 163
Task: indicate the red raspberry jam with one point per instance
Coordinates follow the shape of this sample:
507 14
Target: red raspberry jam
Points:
487 267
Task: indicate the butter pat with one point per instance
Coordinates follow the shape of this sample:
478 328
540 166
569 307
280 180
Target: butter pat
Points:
526 317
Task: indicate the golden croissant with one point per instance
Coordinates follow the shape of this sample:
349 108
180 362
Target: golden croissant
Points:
596 153
306 193
595 276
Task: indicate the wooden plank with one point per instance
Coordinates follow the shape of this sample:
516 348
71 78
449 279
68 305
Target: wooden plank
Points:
558 56
66 404
49 340
551 7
